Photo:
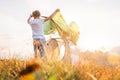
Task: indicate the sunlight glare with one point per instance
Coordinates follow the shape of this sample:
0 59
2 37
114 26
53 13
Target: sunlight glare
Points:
94 42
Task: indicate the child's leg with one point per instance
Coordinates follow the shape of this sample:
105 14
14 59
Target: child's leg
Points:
35 50
36 45
42 51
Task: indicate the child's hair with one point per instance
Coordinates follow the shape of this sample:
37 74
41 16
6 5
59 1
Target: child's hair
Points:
36 13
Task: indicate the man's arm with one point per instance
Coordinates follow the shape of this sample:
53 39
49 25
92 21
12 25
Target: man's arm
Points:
46 19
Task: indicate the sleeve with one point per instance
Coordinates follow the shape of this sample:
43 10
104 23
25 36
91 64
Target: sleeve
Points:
31 22
43 20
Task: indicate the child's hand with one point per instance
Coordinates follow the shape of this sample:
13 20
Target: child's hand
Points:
57 10
31 15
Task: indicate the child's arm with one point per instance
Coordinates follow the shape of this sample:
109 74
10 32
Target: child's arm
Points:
46 19
28 21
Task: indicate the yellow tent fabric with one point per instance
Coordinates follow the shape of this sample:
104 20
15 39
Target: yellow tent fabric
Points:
71 31
58 24
75 32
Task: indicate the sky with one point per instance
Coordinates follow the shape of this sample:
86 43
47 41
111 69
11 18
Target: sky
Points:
98 20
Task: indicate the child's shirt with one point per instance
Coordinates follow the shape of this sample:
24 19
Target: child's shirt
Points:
37 26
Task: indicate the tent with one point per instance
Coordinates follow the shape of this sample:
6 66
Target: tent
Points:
58 24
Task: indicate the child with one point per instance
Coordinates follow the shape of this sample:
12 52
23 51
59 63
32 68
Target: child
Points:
37 26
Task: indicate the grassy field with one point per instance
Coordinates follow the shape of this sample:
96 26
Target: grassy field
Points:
91 66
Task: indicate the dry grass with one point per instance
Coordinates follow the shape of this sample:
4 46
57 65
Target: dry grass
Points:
92 66
9 69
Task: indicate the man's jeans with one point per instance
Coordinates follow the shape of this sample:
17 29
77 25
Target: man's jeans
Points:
40 47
